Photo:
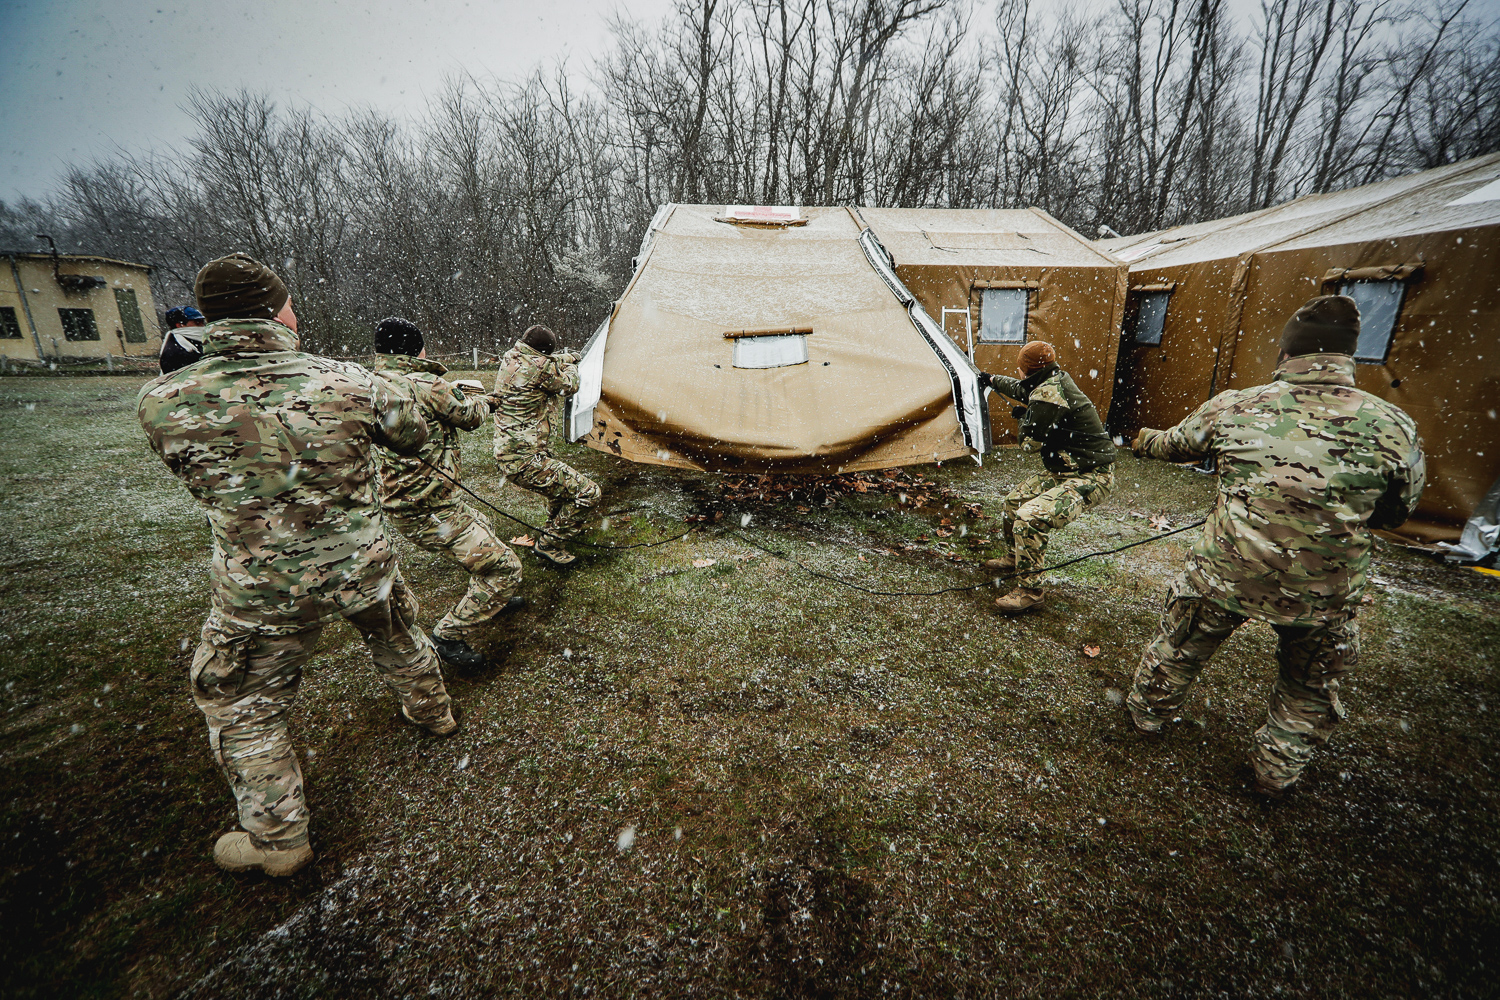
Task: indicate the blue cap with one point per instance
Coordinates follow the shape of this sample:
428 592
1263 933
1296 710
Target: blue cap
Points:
191 312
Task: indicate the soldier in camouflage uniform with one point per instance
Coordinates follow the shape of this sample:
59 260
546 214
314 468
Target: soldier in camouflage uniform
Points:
532 378
278 448
1059 421
421 499
1307 466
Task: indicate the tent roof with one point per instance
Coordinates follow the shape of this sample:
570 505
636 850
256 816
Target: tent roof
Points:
1421 202
68 257
981 237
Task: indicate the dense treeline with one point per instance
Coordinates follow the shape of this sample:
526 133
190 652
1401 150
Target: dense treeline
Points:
509 203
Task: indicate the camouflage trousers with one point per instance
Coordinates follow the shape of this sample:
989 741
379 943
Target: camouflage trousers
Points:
570 494
244 680
1304 706
463 535
1042 504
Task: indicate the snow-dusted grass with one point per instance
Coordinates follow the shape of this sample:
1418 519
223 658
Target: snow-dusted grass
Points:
731 779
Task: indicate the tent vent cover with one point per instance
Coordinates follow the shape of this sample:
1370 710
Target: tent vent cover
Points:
773 351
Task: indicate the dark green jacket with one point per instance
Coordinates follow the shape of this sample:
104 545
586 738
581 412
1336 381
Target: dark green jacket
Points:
1060 421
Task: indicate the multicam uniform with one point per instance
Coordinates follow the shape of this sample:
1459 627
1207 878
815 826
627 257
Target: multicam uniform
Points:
1307 464
1062 424
428 508
278 447
529 384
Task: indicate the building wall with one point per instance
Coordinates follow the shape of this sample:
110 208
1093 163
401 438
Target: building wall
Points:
46 297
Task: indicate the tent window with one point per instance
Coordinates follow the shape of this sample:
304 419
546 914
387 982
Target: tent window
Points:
10 328
78 324
770 352
1150 317
1379 304
130 316
1002 315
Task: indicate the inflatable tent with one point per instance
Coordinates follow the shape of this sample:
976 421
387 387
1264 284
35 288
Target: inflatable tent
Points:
771 340
1420 253
997 278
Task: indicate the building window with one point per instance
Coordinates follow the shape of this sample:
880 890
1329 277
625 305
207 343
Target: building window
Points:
1379 304
10 327
78 324
1002 315
1150 317
130 316
776 351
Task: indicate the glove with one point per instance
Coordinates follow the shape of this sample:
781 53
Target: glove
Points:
1019 412
1138 446
567 358
984 381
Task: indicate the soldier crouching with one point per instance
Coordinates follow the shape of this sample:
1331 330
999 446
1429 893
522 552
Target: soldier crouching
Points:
532 378
278 447
1307 466
421 496
1059 421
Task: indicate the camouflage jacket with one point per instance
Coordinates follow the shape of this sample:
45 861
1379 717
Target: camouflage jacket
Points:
1307 465
407 483
278 446
528 385
1060 422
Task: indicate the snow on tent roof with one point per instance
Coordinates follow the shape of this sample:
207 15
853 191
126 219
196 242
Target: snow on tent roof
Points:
873 392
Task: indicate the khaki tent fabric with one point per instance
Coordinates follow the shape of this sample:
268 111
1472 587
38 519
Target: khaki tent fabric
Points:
1235 282
947 257
872 394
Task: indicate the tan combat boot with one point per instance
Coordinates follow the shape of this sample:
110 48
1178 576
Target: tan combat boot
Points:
552 551
1019 600
1000 565
235 853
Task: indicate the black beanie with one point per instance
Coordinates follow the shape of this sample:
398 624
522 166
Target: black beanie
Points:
398 336
539 338
239 287
1328 324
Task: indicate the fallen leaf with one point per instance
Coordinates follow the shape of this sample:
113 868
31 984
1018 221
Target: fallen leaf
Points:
701 563
1091 651
863 559
924 538
522 540
945 522
943 533
1160 522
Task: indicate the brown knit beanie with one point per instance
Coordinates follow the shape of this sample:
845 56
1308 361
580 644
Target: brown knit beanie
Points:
239 287
1035 356
1328 324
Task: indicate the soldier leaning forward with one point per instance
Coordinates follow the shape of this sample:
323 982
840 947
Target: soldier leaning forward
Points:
1061 423
531 380
422 499
1307 466
278 447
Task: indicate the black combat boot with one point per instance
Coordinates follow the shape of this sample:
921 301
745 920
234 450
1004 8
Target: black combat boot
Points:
457 653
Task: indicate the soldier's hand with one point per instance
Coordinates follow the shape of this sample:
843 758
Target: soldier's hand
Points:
1018 412
1139 444
567 358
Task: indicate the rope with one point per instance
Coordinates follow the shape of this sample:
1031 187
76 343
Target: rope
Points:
544 531
954 590
807 569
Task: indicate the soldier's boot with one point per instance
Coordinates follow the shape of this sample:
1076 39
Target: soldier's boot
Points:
235 853
1006 562
552 550
443 728
457 653
1021 599
1269 789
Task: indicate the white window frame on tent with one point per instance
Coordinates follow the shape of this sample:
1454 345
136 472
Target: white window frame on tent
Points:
1380 305
770 350
1007 299
1149 317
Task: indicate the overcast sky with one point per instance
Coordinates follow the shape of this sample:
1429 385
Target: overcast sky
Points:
81 78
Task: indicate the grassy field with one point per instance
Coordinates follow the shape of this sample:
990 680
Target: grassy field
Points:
732 780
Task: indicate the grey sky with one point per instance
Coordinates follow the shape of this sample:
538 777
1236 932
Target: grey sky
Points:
80 77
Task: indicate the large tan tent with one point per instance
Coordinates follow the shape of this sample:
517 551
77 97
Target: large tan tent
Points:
1420 253
787 347
997 278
